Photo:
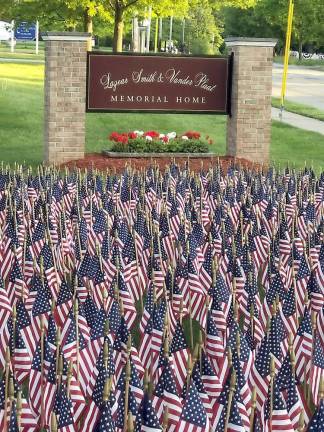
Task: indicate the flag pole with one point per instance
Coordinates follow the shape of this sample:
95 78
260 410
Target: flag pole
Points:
42 371
165 418
127 380
286 58
230 399
7 369
253 407
19 408
301 421
76 315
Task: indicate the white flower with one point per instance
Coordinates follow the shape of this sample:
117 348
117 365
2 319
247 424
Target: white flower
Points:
171 135
149 138
184 137
139 133
161 136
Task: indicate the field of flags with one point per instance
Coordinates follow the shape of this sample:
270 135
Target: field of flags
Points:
162 300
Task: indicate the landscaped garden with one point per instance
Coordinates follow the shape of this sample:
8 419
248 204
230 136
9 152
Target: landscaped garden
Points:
21 132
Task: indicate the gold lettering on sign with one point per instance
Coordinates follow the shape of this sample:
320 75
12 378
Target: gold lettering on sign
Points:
139 77
173 77
201 80
108 83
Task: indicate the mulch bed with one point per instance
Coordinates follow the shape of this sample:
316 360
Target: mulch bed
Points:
103 163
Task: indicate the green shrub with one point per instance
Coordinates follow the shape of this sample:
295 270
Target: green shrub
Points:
140 145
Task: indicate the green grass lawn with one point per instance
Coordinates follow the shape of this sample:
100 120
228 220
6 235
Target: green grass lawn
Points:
23 50
21 118
298 108
315 64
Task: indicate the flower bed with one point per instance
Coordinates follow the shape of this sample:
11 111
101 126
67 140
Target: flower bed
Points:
155 142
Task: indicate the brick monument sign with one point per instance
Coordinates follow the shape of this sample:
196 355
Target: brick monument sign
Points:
244 94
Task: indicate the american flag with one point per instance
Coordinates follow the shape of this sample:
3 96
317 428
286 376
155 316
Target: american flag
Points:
193 416
126 268
146 419
180 354
64 411
317 369
317 422
276 417
166 396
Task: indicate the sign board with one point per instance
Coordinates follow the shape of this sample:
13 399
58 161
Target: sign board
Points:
25 31
5 31
148 83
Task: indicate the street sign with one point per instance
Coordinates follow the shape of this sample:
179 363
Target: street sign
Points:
25 31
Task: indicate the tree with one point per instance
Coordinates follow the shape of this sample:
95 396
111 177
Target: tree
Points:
203 39
307 15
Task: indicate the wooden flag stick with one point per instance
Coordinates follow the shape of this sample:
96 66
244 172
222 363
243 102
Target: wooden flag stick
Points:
53 422
189 371
230 399
253 408
42 370
190 308
19 408
130 422
105 354
127 380
69 378
301 421
76 315
321 389
314 319
165 418
58 343
106 390
7 370
11 396
272 375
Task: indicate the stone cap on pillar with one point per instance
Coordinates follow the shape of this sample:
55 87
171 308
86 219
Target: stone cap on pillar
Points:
65 36
256 42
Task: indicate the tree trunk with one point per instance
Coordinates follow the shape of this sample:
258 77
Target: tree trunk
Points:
88 27
300 49
135 39
118 30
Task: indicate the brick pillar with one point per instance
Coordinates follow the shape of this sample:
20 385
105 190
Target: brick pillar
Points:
65 93
249 128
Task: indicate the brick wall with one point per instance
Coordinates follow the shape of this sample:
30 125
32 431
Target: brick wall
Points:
65 93
249 128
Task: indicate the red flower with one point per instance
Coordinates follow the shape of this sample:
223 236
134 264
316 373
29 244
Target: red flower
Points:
132 135
152 134
165 139
192 135
123 138
114 136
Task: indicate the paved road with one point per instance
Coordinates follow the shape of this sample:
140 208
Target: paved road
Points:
304 85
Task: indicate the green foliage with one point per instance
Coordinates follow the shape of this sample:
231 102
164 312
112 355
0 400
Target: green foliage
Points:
307 15
140 145
204 35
